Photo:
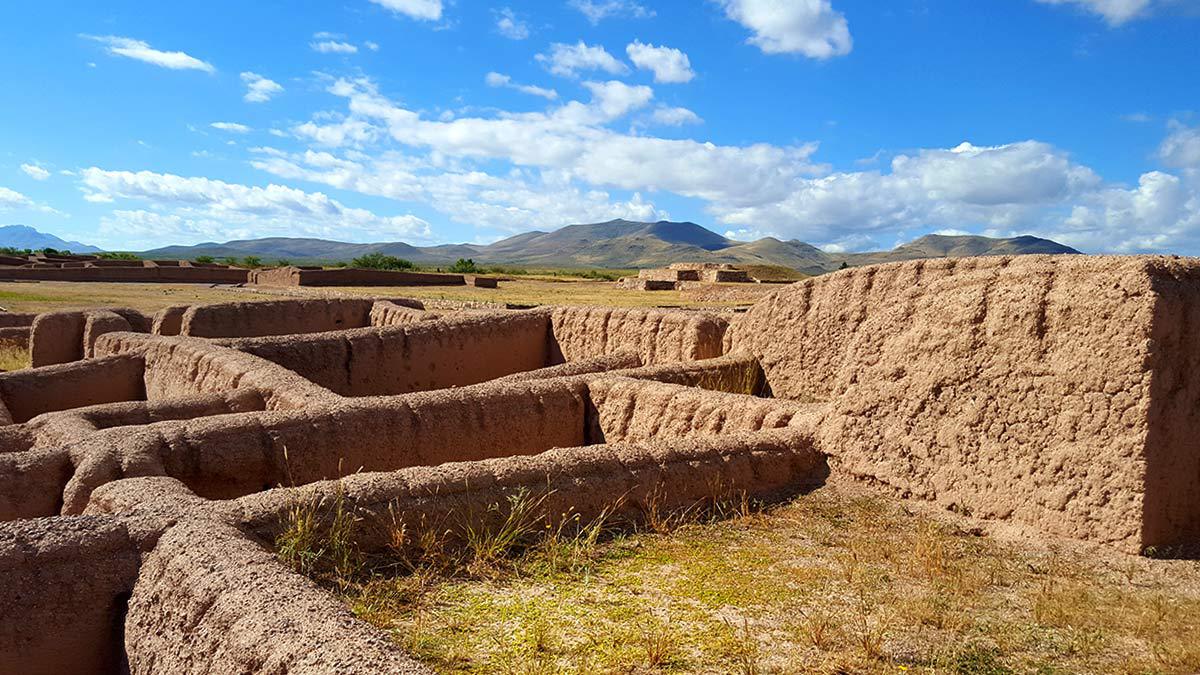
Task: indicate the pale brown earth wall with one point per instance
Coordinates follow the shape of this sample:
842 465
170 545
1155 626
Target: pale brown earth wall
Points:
627 479
183 366
16 319
1034 388
31 392
389 313
657 336
56 337
66 583
233 455
210 600
414 357
183 275
15 337
281 317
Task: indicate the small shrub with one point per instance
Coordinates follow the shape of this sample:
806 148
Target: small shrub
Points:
379 261
204 259
117 255
252 261
464 266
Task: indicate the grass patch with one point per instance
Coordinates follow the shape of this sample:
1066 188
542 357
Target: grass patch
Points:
833 581
13 357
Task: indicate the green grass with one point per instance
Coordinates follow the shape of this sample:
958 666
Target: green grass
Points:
840 580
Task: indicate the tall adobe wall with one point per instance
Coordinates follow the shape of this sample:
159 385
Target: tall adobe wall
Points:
1059 391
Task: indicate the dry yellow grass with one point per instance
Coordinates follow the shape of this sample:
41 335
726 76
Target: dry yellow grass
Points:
13 357
840 580
48 296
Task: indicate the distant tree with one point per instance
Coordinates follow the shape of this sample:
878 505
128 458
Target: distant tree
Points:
843 266
204 259
464 266
283 262
252 261
230 260
53 251
379 261
117 255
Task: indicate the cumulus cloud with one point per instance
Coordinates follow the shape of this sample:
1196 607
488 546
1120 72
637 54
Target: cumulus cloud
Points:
495 79
263 210
669 65
258 88
11 199
231 127
1115 12
142 51
422 10
511 27
333 47
675 117
567 60
35 172
1181 148
599 10
809 27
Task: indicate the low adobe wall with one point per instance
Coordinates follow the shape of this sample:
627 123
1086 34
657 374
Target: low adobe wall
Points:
16 319
392 313
275 317
29 393
295 276
62 337
177 275
1057 391
411 357
658 336
66 585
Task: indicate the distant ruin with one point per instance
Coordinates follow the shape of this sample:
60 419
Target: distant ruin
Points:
673 277
146 462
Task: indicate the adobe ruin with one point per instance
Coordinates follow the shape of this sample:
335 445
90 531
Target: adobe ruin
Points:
675 276
147 461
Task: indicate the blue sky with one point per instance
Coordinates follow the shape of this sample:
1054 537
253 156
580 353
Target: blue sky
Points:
849 124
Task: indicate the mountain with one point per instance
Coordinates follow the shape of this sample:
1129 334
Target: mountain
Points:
23 236
618 244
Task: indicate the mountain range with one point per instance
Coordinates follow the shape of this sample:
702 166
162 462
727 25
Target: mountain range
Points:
616 244
25 237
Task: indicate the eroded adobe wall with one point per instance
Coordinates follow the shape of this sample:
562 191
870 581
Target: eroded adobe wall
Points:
629 410
182 366
657 336
419 356
391 313
209 600
66 584
1033 388
16 319
56 337
628 479
235 455
282 317
31 392
92 272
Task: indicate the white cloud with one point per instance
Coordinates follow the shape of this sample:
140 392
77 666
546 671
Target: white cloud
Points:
1181 148
676 117
510 26
333 47
494 79
258 88
615 99
231 127
35 172
423 10
566 60
598 10
141 51
373 46
809 27
346 131
1115 12
274 209
669 65
11 199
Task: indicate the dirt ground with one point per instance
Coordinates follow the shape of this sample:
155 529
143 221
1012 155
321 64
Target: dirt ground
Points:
47 296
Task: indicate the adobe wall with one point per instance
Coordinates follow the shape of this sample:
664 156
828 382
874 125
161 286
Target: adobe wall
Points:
16 319
658 336
15 337
56 337
29 393
295 276
418 356
179 275
183 366
66 582
1058 391
235 455
391 313
209 600
277 317
630 478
